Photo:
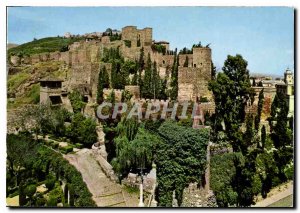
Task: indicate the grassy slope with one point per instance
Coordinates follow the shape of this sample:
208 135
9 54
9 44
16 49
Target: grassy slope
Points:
49 44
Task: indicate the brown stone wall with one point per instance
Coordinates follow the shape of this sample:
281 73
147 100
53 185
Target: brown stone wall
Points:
182 58
201 55
75 46
66 57
185 92
118 94
130 33
134 90
269 95
132 53
35 58
195 76
145 36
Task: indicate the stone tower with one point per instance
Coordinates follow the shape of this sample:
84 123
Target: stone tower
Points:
193 81
288 77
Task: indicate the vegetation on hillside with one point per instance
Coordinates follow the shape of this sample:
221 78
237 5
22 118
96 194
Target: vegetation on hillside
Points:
44 45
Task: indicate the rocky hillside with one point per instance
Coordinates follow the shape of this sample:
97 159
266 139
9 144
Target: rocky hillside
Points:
23 81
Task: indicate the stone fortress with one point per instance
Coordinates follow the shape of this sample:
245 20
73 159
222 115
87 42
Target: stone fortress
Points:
83 60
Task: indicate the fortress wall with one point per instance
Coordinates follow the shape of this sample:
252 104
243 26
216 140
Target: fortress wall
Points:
134 90
35 58
118 94
208 107
130 33
195 76
132 53
75 46
66 57
188 74
201 55
80 73
145 36
185 92
182 58
269 95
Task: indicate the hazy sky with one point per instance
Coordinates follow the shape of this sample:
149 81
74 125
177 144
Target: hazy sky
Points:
264 36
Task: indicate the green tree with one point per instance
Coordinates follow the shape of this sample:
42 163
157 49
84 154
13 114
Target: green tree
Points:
281 134
103 82
147 83
263 136
259 109
213 71
232 91
186 62
181 159
174 77
30 191
82 130
77 101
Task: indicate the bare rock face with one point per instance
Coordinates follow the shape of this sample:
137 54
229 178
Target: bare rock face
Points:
15 60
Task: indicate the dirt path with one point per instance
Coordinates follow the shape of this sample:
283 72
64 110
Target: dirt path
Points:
276 194
105 192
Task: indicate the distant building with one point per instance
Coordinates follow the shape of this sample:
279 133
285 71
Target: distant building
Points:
68 35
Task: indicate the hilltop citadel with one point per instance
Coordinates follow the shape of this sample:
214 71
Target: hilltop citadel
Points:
83 62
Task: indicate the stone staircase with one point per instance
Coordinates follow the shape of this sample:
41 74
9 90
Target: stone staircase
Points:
106 193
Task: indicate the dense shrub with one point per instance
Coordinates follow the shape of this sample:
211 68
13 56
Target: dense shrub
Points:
50 183
52 201
66 149
181 159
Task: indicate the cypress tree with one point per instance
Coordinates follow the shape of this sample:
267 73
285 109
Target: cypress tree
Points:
147 79
263 136
174 77
259 109
186 62
100 87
